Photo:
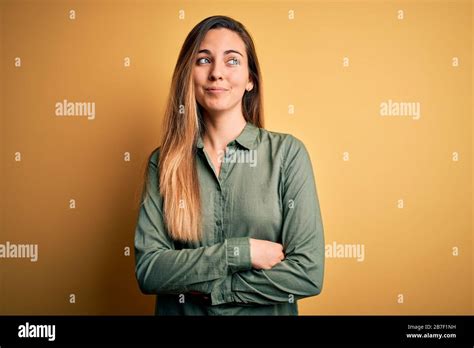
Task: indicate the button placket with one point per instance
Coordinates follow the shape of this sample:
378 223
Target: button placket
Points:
221 215
209 163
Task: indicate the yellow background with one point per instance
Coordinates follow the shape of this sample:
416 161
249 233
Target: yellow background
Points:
408 251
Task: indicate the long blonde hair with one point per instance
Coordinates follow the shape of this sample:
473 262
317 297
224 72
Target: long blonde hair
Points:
182 125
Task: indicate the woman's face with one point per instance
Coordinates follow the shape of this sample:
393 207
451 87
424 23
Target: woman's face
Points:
222 63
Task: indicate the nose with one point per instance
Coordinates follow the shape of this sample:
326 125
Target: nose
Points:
215 72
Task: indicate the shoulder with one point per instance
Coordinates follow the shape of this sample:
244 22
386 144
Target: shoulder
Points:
288 144
152 184
153 158
280 138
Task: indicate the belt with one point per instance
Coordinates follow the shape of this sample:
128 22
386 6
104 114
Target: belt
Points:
199 297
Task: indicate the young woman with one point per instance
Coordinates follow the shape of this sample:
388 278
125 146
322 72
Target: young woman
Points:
230 222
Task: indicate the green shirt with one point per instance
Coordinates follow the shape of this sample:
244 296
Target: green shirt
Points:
265 190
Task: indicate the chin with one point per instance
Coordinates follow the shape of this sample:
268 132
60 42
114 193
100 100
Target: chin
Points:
217 109
217 106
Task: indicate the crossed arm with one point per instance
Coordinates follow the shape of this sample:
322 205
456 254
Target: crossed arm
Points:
237 270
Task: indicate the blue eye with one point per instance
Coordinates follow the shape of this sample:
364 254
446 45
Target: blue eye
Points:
237 62
201 59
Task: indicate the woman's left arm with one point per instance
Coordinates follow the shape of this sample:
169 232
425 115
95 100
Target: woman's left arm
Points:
301 273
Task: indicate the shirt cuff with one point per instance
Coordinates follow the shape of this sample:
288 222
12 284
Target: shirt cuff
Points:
223 292
238 254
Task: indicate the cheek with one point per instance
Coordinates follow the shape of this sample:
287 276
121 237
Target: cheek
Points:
198 78
238 79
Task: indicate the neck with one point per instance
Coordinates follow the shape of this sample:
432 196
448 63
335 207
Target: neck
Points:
219 131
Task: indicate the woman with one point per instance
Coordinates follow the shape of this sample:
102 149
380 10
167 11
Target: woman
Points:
230 221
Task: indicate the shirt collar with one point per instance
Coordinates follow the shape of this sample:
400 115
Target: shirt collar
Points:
247 138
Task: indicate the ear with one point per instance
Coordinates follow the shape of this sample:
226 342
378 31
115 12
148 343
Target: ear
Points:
249 86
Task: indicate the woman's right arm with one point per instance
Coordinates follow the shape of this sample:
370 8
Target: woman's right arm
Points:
159 268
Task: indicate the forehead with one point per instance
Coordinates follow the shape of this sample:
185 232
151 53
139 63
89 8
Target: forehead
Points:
219 40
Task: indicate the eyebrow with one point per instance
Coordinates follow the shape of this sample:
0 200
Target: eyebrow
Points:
225 52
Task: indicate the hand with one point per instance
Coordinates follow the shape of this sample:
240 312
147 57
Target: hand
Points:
265 254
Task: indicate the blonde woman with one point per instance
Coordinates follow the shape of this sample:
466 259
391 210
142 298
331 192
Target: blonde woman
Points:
230 222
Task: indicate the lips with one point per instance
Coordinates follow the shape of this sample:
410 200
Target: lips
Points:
216 89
